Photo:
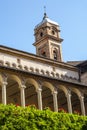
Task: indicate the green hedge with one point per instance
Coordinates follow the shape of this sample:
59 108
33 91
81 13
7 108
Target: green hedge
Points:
29 118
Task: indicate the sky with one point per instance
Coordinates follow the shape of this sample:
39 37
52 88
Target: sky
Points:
18 19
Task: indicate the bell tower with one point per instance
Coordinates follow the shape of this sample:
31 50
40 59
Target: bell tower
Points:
47 39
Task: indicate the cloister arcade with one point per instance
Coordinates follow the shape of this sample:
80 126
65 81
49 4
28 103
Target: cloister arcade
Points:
29 89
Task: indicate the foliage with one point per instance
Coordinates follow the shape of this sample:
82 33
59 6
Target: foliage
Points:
29 118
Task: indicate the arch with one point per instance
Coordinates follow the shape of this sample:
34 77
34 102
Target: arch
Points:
63 88
15 78
55 54
76 91
33 82
48 85
1 79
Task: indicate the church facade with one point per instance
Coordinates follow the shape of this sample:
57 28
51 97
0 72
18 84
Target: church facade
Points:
42 79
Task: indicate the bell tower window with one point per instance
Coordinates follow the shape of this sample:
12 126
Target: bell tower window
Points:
53 32
41 34
44 54
55 54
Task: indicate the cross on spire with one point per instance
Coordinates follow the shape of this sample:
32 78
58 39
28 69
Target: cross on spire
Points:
45 14
44 9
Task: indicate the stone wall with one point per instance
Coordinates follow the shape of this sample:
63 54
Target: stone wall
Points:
84 78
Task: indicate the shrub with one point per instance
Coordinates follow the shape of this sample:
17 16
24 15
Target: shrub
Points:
29 118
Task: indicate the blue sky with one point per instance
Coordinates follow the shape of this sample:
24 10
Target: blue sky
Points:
19 17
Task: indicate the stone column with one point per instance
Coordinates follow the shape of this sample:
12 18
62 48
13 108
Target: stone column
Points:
55 101
82 105
39 95
68 95
4 84
22 90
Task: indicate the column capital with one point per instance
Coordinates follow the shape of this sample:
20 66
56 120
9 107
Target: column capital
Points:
81 96
39 90
4 76
22 86
54 92
4 83
68 93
